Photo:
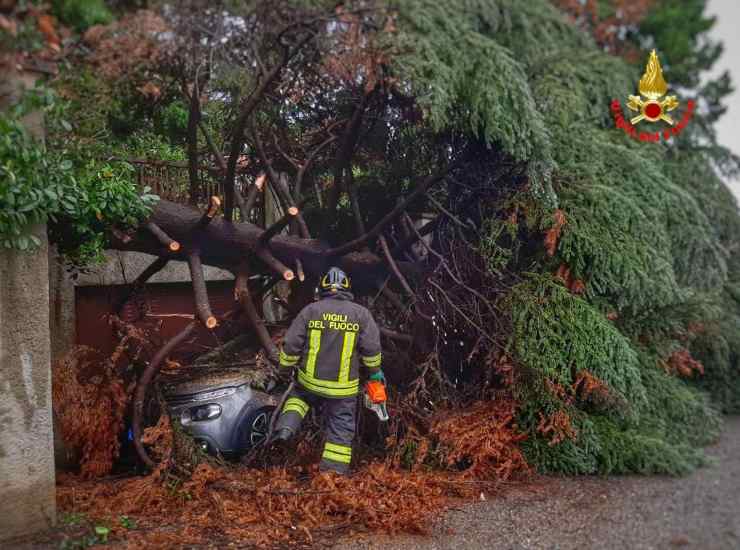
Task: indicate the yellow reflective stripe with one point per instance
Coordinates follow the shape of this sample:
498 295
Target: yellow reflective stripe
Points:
337 448
327 387
296 404
314 344
372 361
336 457
344 363
331 384
288 360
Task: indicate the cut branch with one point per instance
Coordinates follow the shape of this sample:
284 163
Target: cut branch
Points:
171 244
278 226
274 264
299 270
280 186
202 307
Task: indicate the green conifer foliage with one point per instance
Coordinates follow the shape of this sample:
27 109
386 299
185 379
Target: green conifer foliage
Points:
559 334
649 231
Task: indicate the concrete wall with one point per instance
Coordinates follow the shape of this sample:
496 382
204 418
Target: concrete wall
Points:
27 493
27 497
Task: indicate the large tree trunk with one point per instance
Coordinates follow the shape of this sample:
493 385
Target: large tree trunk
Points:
227 245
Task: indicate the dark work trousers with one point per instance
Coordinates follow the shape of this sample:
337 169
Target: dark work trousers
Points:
339 417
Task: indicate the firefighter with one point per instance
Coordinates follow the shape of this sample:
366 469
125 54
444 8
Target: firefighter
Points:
327 342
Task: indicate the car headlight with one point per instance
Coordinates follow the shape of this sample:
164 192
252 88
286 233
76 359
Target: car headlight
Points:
200 413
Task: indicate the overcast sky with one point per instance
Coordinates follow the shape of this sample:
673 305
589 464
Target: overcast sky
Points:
726 29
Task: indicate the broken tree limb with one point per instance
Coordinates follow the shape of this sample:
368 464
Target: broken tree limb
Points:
307 164
241 292
279 183
299 270
202 306
171 244
143 384
355 204
388 219
298 224
274 264
394 267
278 226
225 245
393 298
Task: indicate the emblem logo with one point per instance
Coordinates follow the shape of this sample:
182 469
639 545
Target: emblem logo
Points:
653 86
652 105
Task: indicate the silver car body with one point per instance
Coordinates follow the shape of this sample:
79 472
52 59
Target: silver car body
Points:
222 411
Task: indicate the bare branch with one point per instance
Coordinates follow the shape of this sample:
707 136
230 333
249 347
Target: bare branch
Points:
202 307
299 270
143 384
274 264
344 155
192 141
277 183
237 135
394 267
307 164
278 226
389 218
252 195
416 236
449 214
241 293
162 237
355 204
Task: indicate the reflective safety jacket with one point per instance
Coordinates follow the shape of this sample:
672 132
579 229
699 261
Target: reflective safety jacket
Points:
328 340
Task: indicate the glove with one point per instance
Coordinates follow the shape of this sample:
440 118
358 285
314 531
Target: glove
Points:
378 376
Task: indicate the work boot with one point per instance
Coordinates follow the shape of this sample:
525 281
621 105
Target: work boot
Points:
282 435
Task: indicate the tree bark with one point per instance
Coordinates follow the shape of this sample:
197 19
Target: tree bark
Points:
226 245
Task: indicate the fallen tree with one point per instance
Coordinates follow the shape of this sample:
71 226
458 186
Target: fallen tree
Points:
563 266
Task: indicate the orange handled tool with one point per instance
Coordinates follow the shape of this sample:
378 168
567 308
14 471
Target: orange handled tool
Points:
375 398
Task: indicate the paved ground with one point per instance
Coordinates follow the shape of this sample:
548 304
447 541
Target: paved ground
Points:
701 511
